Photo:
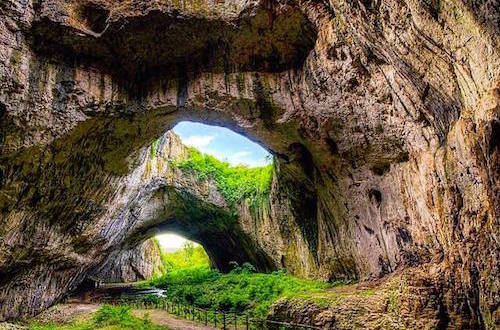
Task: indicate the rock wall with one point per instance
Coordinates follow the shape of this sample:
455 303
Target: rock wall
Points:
139 263
154 197
383 117
400 301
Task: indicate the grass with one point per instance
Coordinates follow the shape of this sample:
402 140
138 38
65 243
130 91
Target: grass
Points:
236 183
189 256
107 318
241 291
191 281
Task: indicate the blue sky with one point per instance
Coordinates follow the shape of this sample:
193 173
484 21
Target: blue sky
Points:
221 143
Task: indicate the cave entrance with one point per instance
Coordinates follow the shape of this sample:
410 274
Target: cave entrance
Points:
178 252
218 171
237 166
199 189
195 184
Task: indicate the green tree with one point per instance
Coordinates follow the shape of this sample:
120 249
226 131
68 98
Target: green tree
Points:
188 249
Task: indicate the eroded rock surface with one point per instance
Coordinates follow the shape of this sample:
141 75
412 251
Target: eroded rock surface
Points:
383 116
141 262
400 301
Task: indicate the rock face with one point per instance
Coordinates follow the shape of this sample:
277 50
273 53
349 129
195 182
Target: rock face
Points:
384 118
400 302
132 265
154 197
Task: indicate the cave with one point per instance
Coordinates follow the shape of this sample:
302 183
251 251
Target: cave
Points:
382 118
144 261
92 17
173 201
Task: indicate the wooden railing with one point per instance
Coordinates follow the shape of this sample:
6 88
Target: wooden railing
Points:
219 319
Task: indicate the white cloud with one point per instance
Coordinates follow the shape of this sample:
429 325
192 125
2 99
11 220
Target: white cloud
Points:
253 162
239 158
241 154
198 141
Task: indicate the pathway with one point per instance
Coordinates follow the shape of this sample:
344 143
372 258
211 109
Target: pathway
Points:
161 317
62 313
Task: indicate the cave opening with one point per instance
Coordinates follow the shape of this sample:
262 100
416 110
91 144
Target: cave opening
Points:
222 143
240 170
178 252
197 178
189 225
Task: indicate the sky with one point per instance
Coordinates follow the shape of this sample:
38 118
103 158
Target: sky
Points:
223 144
171 242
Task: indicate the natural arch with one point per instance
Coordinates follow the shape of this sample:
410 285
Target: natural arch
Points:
172 200
381 117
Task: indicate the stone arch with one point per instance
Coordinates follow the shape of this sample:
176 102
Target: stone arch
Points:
170 200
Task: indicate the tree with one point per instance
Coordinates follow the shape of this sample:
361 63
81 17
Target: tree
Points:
188 248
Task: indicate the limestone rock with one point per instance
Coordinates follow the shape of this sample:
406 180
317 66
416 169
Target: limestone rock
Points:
384 118
136 264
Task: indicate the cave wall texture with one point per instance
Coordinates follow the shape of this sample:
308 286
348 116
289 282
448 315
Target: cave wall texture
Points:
383 117
138 263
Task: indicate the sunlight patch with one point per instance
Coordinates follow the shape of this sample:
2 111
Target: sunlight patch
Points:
172 242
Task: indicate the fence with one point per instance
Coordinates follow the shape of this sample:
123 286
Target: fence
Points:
220 319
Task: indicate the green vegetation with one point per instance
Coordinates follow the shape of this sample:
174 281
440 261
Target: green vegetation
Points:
108 318
189 280
241 291
154 148
236 183
188 257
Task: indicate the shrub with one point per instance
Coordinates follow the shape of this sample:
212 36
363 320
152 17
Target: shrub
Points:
248 268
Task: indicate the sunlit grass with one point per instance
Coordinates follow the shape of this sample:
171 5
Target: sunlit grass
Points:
236 183
240 291
189 256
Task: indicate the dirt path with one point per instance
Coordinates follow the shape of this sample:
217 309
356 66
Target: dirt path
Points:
63 313
161 317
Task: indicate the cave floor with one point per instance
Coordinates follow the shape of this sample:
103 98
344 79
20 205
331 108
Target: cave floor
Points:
66 312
